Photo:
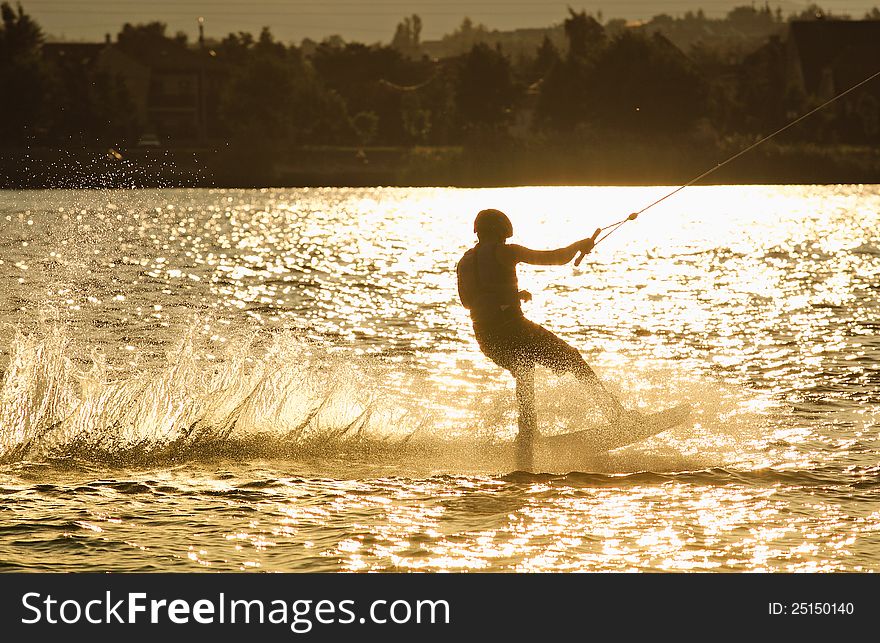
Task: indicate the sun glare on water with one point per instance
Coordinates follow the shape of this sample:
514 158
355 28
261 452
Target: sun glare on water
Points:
291 370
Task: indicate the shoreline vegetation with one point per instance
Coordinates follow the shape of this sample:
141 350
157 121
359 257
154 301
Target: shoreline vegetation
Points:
586 101
452 166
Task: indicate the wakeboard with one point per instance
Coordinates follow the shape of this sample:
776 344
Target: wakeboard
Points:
634 428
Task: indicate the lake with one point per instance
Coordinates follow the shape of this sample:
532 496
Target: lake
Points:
284 380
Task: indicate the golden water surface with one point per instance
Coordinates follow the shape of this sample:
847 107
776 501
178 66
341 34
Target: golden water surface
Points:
283 380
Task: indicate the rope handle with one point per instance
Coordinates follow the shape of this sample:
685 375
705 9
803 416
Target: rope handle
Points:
581 255
612 227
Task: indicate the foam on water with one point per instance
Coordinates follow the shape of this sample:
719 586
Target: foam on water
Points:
281 396
257 398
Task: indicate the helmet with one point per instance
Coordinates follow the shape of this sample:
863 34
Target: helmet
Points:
493 223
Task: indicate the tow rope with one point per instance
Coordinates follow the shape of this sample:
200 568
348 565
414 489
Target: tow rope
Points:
632 217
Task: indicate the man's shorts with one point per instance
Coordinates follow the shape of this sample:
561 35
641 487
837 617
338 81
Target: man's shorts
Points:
518 344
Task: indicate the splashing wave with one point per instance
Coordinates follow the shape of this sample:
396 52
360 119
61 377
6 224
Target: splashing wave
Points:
283 398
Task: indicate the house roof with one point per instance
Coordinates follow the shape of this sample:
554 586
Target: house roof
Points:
851 48
82 52
176 59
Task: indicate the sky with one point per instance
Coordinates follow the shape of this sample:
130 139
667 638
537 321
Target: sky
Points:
360 20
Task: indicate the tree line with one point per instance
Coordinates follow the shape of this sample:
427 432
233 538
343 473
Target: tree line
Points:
602 83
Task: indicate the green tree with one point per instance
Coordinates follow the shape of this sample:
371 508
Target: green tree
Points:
815 12
375 79
765 100
88 106
585 34
266 45
23 76
748 18
485 90
236 47
149 40
646 86
564 91
436 108
546 58
366 125
563 95
407 37
273 100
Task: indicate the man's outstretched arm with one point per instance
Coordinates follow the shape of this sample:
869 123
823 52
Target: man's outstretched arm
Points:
557 257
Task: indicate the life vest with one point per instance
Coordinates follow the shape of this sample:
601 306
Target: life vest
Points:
486 287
